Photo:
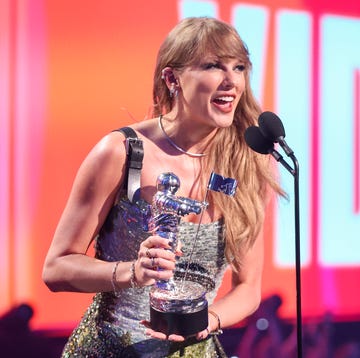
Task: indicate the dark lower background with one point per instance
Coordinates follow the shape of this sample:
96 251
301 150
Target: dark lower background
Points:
265 335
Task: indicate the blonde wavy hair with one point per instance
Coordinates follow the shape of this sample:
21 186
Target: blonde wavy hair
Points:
228 155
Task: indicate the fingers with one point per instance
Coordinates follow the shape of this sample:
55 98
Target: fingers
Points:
152 259
203 334
154 246
172 337
156 241
178 251
157 258
155 261
159 335
176 338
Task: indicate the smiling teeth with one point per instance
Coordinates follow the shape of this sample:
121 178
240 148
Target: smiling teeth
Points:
225 98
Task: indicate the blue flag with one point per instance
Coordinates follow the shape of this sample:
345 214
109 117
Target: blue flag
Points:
224 185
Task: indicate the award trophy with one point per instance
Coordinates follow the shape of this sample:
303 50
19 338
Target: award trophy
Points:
179 306
176 306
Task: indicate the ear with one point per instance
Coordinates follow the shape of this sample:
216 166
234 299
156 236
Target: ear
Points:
167 74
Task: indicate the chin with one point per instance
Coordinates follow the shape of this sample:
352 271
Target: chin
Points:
225 122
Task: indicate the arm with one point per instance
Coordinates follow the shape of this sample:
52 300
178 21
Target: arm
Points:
67 267
245 295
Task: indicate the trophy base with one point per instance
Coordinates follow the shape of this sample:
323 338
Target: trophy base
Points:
183 324
182 310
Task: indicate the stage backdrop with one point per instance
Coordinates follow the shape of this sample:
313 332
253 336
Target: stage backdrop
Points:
71 71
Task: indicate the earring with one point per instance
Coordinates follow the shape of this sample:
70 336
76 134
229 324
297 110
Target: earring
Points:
173 91
163 74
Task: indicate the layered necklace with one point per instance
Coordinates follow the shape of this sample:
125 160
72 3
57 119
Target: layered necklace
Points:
173 144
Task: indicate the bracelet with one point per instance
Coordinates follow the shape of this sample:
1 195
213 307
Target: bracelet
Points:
133 282
218 330
113 279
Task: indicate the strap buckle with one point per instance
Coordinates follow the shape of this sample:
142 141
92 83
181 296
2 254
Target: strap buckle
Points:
135 152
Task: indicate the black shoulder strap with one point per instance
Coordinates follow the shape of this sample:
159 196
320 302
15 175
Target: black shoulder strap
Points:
135 155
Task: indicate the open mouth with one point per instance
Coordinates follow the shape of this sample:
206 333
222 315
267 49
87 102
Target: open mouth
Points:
224 102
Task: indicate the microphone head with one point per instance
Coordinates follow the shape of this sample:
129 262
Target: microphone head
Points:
271 126
256 140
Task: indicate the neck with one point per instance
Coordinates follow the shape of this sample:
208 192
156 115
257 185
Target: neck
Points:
174 145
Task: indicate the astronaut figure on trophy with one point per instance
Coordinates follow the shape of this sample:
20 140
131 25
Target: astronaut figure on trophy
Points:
176 306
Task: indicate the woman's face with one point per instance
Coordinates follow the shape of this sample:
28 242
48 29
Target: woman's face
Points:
210 90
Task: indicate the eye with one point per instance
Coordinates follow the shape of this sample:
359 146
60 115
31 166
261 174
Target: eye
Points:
240 68
210 65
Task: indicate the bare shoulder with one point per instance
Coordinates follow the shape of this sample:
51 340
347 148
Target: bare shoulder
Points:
104 164
108 148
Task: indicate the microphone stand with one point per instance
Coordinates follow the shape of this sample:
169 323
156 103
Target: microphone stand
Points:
266 148
295 173
278 157
297 255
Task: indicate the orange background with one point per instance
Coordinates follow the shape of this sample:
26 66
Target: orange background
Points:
97 76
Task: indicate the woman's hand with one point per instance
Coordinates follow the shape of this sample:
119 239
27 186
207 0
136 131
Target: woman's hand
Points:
172 337
159 335
155 261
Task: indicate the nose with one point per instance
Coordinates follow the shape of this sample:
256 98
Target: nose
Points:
229 80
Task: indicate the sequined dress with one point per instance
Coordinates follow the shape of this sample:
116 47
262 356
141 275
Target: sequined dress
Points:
110 326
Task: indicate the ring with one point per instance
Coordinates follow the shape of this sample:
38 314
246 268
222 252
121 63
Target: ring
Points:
148 254
153 262
207 330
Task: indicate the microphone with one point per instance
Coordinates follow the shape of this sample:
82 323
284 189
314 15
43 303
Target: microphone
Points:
257 141
261 139
272 128
260 144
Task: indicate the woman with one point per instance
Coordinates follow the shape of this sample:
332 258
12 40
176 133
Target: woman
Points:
202 105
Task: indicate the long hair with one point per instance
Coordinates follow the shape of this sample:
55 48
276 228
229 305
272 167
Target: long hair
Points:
229 155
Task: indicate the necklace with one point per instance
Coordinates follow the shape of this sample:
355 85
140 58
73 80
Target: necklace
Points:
175 145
